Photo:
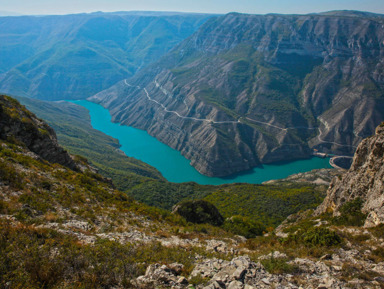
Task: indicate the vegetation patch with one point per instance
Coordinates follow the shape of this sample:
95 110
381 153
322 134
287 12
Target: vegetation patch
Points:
351 214
244 226
266 204
279 266
317 236
199 212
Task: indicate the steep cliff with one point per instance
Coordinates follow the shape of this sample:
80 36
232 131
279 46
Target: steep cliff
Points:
22 126
364 180
251 89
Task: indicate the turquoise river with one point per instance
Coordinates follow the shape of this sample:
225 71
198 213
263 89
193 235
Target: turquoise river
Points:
174 167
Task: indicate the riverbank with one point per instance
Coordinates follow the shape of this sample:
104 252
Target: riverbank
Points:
176 168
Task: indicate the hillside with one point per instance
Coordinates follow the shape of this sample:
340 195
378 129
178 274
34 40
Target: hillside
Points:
76 56
251 89
74 131
363 181
65 228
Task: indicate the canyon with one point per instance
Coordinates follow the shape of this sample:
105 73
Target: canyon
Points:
244 90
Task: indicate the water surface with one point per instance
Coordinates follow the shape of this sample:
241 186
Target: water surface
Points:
174 167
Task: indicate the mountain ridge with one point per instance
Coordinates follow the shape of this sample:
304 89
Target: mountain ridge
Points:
75 56
257 89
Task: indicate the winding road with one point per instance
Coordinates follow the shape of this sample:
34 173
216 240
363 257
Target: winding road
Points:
164 91
332 162
175 112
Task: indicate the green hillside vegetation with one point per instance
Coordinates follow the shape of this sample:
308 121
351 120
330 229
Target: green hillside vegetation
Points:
266 204
40 197
199 212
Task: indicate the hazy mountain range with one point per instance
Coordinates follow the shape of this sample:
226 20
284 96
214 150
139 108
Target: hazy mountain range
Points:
76 56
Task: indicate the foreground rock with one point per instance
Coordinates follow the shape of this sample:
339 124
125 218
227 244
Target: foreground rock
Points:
364 180
242 273
162 275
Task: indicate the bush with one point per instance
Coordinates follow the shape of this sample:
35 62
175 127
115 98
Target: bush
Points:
199 212
279 266
244 226
351 214
321 237
9 175
317 236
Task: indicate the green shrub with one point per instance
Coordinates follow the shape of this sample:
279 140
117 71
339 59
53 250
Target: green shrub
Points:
3 207
199 212
198 280
279 266
378 231
317 236
243 226
321 237
351 214
10 176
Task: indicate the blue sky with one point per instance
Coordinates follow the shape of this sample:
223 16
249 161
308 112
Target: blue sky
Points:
209 6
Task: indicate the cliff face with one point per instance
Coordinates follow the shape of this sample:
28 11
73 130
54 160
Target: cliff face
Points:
249 89
24 127
364 180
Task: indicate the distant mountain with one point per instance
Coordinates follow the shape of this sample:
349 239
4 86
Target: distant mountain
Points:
352 13
150 13
76 56
9 13
250 89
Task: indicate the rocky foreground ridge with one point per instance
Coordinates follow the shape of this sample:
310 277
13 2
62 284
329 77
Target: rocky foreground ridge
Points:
251 89
364 180
63 228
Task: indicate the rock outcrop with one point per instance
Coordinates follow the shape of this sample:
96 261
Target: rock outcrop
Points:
243 273
251 89
23 126
364 180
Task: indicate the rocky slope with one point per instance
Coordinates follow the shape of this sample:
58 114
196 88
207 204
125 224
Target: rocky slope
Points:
364 180
61 228
20 125
251 89
76 56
